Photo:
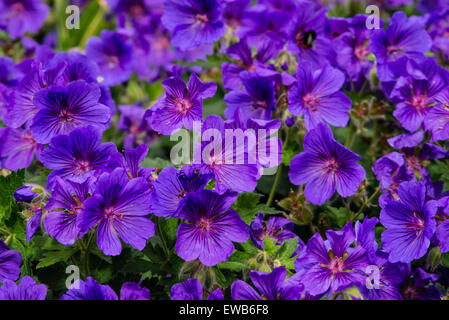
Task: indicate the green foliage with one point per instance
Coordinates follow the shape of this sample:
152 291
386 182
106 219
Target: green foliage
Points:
8 185
338 216
247 206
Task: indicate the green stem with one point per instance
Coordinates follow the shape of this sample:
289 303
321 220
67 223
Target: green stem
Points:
275 185
161 236
363 88
85 255
366 203
350 137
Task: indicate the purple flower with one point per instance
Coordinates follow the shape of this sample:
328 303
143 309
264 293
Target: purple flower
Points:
131 163
23 107
317 96
65 203
437 119
404 38
391 171
257 100
442 231
410 223
113 56
10 261
90 289
325 165
234 12
333 264
133 291
132 120
261 27
33 224
210 229
80 67
172 187
272 286
27 289
20 16
191 289
306 37
438 29
277 228
193 22
118 206
19 146
181 104
62 109
25 194
385 286
420 287
241 52
364 235
415 94
353 49
78 155
230 166
267 151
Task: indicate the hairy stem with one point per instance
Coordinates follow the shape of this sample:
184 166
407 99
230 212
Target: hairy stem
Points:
366 203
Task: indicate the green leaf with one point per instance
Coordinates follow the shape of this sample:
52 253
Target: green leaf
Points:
170 227
246 205
232 265
445 260
269 245
8 185
285 253
55 256
338 216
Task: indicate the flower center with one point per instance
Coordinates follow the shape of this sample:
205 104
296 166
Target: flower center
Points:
182 194
336 265
417 223
419 102
110 213
204 224
393 51
305 39
361 52
65 116
83 166
113 61
202 18
182 105
311 102
18 7
413 162
259 104
136 10
331 165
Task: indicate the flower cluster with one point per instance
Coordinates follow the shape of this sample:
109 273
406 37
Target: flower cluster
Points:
314 150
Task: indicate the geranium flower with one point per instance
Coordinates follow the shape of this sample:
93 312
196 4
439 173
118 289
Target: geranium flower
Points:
119 207
325 165
193 22
410 223
210 229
